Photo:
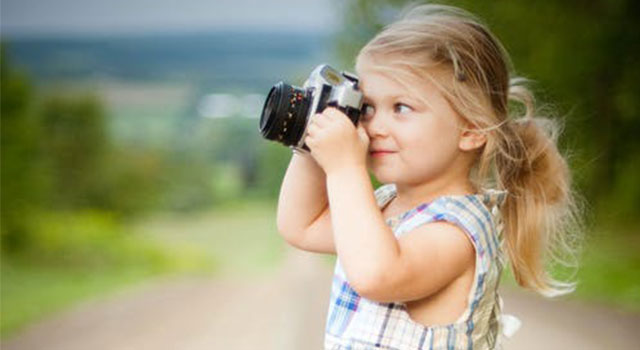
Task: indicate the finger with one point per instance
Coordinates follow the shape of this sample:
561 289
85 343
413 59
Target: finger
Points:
316 123
310 141
318 119
335 113
321 123
330 113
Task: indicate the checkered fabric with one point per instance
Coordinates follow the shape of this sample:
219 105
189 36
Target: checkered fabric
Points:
356 323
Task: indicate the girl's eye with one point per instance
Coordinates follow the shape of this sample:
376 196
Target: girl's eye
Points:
402 108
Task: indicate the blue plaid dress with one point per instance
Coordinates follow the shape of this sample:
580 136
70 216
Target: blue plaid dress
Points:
356 323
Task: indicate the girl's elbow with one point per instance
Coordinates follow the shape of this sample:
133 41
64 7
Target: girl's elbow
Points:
285 225
290 237
295 237
285 230
281 226
373 287
281 219
374 293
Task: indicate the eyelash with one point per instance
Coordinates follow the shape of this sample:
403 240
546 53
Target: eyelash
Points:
402 104
366 105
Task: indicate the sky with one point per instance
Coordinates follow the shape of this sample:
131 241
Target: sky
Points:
113 17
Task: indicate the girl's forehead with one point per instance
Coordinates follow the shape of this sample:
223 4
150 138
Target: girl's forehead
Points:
379 84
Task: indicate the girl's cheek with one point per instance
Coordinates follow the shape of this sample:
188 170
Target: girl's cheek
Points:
411 131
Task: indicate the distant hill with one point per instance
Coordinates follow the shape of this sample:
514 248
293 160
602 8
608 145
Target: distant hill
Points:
219 61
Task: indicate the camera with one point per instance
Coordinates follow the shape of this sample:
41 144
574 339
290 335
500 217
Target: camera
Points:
288 109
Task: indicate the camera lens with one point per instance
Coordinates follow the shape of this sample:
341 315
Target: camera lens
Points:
284 115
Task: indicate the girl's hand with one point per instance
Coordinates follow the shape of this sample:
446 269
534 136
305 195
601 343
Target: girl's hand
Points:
334 141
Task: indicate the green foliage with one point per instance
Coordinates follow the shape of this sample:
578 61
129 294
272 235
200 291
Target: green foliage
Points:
610 269
58 154
226 183
272 164
21 183
73 150
94 239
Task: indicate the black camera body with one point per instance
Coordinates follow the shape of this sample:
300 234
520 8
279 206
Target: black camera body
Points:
288 109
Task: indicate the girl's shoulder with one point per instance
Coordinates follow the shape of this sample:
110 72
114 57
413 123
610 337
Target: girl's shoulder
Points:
491 199
477 214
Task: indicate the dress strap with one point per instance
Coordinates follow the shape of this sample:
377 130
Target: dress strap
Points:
384 194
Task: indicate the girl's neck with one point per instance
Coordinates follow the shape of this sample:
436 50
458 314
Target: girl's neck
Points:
454 181
409 196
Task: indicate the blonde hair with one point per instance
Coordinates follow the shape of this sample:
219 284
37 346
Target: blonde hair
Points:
456 52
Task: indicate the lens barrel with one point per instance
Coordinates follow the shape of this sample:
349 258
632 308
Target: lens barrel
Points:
284 115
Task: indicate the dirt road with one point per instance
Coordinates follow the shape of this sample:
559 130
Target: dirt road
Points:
283 310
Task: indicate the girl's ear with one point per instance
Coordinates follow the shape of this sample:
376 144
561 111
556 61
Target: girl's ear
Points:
471 139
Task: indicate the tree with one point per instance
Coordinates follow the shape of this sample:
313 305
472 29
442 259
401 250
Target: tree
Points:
22 182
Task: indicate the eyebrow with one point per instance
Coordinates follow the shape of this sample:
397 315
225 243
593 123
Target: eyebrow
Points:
393 97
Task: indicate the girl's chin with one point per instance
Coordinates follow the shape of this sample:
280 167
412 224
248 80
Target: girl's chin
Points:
382 176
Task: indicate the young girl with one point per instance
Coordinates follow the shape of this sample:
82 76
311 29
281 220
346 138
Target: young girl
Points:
420 259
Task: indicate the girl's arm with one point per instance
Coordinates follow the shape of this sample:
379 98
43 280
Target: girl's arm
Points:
379 266
303 217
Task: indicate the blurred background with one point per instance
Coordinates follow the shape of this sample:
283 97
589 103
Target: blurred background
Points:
130 148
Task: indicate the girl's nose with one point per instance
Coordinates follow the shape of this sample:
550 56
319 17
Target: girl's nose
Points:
375 126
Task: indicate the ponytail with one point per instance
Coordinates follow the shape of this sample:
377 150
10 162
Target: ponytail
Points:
540 214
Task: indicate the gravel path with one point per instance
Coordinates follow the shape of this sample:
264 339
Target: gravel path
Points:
284 310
